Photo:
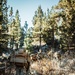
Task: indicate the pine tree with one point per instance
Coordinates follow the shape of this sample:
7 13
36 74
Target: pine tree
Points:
15 29
29 39
3 23
66 10
50 27
10 21
37 22
22 37
25 36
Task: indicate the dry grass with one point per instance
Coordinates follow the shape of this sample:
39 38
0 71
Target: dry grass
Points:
47 66
43 66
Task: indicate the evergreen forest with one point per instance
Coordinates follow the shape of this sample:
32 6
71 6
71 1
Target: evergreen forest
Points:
53 32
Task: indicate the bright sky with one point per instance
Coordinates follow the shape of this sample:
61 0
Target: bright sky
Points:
27 8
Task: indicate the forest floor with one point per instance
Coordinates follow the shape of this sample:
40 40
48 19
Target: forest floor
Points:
47 63
51 64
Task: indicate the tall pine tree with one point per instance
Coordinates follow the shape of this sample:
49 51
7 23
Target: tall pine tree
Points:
37 22
66 11
3 24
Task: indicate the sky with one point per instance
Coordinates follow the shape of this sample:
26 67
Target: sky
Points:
27 8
